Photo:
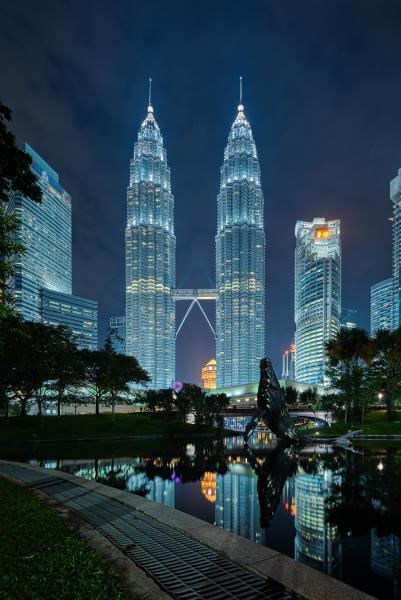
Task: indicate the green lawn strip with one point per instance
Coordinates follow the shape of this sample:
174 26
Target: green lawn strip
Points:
375 423
41 558
93 426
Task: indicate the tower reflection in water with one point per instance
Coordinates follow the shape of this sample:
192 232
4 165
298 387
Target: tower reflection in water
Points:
316 541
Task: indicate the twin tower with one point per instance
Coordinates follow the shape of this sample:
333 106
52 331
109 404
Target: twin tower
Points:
240 260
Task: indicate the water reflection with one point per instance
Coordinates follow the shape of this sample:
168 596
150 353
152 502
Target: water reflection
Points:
333 510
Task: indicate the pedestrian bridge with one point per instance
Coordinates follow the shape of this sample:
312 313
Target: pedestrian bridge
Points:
324 417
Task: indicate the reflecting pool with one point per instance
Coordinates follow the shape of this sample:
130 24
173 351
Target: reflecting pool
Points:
334 510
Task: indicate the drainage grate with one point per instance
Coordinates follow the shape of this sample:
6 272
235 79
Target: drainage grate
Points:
186 568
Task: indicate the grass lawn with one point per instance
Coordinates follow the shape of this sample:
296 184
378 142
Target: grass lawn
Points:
92 426
375 423
42 558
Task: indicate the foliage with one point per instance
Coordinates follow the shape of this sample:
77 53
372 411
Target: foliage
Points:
310 397
16 176
15 165
25 359
385 375
349 355
9 249
42 558
107 374
290 395
67 367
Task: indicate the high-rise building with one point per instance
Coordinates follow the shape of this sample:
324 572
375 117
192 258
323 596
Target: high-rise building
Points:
395 196
117 326
45 232
209 375
240 260
317 295
150 257
348 318
79 314
42 283
381 305
288 362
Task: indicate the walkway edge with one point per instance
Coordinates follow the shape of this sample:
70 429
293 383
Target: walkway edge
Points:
309 583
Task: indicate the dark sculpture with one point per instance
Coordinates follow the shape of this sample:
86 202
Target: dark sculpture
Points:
272 408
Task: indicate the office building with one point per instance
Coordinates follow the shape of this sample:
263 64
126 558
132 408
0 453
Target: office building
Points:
42 283
348 318
395 196
209 375
317 296
150 257
79 314
381 306
240 260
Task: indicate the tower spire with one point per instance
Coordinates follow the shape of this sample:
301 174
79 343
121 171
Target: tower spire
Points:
150 109
240 90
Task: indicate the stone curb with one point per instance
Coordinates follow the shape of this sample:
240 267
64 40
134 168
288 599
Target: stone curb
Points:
309 583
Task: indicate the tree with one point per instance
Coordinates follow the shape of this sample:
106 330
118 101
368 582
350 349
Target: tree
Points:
107 374
185 399
386 367
67 367
16 176
150 398
291 395
349 355
25 354
208 409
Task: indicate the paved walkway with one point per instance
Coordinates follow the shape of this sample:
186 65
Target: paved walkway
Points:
167 545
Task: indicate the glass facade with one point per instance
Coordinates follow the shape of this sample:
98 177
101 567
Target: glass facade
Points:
316 541
381 306
117 324
45 232
348 318
395 196
240 260
317 296
150 257
42 284
79 314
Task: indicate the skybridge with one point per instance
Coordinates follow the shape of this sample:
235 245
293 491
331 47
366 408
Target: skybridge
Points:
195 296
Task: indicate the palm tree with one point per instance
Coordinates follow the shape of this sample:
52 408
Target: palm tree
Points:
386 367
349 355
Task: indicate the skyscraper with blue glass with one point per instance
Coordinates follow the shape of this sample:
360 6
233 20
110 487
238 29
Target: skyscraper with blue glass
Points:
240 260
381 305
395 196
317 296
150 257
45 232
42 283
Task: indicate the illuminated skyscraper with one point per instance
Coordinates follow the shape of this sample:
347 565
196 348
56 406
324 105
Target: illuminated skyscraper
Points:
381 305
395 195
45 232
288 368
240 260
317 295
316 541
150 257
42 282
209 375
348 318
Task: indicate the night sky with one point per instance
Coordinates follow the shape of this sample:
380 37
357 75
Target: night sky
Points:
322 91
